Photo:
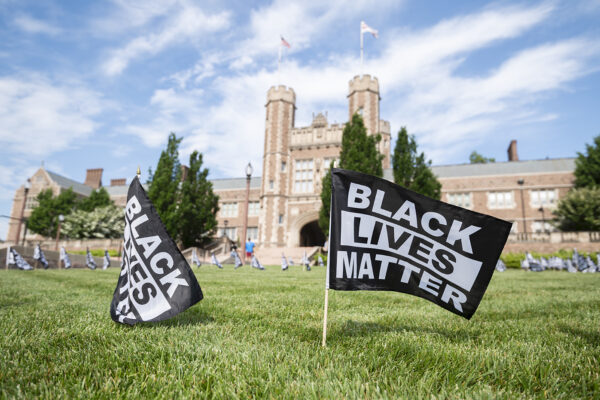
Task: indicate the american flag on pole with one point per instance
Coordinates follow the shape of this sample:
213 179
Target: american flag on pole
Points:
366 28
285 43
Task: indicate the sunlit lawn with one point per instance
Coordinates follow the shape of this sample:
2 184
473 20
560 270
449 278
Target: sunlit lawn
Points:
257 334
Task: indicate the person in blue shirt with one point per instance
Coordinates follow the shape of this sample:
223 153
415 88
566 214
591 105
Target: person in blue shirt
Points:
249 248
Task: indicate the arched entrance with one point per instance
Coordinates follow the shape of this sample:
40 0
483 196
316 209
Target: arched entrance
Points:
311 235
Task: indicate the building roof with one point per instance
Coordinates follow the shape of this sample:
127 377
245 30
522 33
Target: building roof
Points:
66 183
546 166
236 183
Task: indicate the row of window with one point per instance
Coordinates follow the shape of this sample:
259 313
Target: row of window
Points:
230 209
305 174
231 233
505 199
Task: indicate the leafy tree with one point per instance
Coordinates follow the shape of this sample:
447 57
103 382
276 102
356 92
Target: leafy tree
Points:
411 170
198 206
325 202
359 153
102 222
98 198
579 210
587 167
163 188
44 217
476 158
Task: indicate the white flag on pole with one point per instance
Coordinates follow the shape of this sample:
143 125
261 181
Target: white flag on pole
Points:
366 28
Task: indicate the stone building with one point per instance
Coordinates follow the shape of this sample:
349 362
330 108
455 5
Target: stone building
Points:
284 203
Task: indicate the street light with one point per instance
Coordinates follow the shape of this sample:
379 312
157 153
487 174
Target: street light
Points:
543 219
249 170
521 182
26 188
61 218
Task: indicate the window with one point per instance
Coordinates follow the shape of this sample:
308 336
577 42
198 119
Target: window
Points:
229 210
541 226
303 182
543 197
459 199
231 233
283 166
501 200
253 207
280 219
252 233
31 202
271 183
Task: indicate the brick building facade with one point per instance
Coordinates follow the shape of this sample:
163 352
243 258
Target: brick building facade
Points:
284 203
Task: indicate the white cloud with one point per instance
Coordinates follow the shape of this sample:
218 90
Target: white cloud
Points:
33 25
300 23
40 117
186 23
421 88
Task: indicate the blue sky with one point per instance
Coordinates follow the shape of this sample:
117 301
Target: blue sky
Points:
101 84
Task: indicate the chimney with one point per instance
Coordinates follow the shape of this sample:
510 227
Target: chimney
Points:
118 182
184 172
512 151
93 178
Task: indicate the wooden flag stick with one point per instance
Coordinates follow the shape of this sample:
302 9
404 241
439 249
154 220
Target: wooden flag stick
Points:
325 317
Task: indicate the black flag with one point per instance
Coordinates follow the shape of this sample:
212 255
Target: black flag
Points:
386 237
38 254
89 260
156 282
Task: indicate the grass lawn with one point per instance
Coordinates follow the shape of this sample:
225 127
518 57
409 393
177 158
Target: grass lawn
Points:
257 334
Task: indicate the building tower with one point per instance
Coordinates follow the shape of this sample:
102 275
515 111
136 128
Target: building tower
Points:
276 165
363 98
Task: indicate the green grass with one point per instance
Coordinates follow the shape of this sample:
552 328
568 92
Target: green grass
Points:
258 335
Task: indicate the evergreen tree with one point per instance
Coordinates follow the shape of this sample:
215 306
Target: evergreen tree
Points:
359 150
411 170
198 206
587 167
98 198
359 153
44 217
163 188
476 158
325 202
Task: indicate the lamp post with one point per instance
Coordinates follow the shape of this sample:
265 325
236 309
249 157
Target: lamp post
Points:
26 188
225 223
521 182
61 218
543 219
249 170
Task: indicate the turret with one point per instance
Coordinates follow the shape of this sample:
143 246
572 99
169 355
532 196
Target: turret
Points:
280 113
363 98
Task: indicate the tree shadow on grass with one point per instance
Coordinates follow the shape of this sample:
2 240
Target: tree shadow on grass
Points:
590 336
187 318
352 328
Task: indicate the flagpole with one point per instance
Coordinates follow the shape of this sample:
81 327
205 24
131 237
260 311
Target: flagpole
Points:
327 281
361 50
325 317
279 66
